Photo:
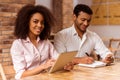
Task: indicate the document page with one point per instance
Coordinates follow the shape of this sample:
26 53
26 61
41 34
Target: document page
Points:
94 64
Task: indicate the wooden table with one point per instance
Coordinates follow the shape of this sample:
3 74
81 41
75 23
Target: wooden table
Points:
82 73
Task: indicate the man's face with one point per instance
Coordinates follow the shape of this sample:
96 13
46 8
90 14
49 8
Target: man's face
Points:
82 21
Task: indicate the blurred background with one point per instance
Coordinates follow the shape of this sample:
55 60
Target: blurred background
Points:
105 21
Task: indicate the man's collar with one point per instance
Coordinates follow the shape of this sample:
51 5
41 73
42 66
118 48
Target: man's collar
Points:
74 32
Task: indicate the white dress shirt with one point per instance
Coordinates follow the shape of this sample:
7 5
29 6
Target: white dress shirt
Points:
68 40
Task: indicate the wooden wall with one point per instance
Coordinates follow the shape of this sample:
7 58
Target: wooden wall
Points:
106 12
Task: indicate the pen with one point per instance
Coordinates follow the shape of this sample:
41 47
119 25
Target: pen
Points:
87 54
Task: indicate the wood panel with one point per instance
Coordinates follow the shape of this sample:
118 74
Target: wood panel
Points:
106 12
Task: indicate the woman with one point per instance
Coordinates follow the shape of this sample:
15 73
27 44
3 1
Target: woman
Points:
32 52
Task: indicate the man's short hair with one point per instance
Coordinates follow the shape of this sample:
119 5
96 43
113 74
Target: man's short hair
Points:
82 7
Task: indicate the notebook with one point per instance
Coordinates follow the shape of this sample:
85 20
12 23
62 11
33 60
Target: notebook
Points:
62 60
94 64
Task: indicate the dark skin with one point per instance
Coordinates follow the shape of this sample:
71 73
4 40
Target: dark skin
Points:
86 60
81 22
108 59
35 28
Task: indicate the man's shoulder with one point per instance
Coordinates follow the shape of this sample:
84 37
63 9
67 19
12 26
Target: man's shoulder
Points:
91 32
65 30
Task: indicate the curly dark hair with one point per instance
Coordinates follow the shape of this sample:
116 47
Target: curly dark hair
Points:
82 7
23 18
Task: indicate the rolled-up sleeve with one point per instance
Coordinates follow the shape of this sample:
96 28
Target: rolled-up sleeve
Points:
100 47
18 59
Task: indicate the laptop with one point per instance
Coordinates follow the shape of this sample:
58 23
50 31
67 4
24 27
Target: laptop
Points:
62 60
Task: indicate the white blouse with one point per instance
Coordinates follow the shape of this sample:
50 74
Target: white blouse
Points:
26 56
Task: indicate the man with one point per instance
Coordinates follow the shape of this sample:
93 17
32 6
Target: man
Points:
78 37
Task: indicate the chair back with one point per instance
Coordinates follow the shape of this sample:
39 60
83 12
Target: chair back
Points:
7 71
114 45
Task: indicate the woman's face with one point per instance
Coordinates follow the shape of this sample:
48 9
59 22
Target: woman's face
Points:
36 24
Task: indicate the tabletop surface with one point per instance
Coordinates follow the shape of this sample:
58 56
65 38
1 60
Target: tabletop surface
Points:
82 73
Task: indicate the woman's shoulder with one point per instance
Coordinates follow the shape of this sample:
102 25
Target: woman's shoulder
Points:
17 42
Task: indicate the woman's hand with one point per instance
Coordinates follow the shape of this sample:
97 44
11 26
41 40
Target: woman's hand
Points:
48 64
69 66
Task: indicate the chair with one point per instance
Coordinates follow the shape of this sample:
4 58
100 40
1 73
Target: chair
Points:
2 73
6 67
95 56
114 45
51 38
7 72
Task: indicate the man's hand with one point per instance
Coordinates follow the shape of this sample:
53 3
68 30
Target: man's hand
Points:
109 59
85 60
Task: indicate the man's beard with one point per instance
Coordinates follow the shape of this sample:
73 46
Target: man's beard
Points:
78 26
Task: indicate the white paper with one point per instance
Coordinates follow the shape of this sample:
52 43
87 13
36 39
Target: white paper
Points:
95 64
